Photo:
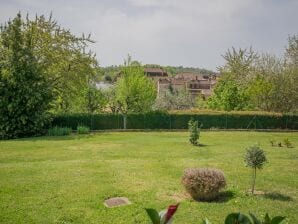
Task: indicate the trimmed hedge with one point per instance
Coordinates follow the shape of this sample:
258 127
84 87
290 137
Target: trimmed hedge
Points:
160 120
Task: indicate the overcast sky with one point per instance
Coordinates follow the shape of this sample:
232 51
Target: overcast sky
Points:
170 32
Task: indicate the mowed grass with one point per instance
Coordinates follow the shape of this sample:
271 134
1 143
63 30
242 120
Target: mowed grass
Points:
66 179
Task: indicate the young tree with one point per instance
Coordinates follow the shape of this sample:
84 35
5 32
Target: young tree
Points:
227 96
194 131
255 158
24 90
135 93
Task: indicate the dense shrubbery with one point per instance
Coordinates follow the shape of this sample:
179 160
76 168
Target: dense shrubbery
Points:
59 131
161 120
83 129
203 183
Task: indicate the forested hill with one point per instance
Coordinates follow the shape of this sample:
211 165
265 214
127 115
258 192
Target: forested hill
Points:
108 73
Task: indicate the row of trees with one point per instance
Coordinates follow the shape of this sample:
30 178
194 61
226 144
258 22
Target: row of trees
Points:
258 81
45 69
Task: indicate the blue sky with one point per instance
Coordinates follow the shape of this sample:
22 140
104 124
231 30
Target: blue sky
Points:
170 32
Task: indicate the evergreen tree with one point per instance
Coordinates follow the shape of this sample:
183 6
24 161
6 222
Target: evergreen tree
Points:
25 94
194 130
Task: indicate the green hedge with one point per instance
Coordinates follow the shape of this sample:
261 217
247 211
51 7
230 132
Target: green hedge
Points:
159 120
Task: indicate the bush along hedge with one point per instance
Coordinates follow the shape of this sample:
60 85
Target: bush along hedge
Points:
162 120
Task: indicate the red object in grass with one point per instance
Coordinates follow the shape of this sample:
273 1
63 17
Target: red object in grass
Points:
171 211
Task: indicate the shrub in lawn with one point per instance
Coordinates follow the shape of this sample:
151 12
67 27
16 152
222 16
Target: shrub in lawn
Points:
59 131
255 158
279 144
83 129
203 183
287 143
194 130
272 142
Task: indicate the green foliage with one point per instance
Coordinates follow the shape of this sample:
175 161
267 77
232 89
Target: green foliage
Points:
153 215
272 142
162 120
238 218
65 59
59 131
287 143
134 92
255 158
227 96
252 81
24 90
95 100
172 100
81 129
194 130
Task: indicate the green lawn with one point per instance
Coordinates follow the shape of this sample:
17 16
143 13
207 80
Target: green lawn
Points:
66 179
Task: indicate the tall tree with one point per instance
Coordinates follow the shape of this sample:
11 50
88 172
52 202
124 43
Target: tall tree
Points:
65 60
231 92
25 94
135 93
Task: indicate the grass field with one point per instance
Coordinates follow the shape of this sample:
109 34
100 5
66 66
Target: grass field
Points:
66 179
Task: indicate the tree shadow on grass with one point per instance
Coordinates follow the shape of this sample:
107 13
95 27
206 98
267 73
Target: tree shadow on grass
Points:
223 197
56 138
277 196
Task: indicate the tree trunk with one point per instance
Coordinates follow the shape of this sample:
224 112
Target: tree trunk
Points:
124 121
254 176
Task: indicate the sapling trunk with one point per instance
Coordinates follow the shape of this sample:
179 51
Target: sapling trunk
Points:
254 176
124 121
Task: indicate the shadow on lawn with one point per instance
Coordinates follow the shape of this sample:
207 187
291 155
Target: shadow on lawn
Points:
223 197
277 196
56 138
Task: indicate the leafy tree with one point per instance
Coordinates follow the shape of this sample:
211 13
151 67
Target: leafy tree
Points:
230 92
227 96
135 93
255 158
174 100
273 87
95 100
65 60
24 90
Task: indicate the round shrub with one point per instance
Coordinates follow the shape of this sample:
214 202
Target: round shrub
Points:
203 183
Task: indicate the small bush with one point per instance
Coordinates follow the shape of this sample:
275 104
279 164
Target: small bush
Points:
272 142
83 129
194 131
203 183
287 143
59 131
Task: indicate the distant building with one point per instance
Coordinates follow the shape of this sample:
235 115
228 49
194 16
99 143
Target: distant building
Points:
155 73
195 84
